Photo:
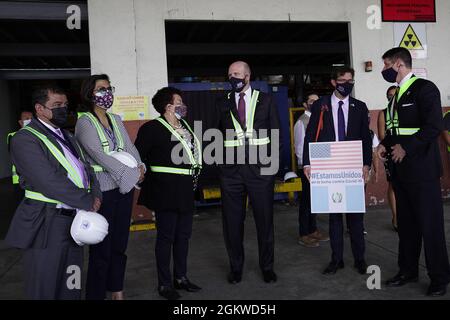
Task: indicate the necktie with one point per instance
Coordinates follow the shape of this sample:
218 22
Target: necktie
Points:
394 107
341 122
241 108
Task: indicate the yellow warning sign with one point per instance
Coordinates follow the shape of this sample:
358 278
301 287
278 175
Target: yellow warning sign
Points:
410 40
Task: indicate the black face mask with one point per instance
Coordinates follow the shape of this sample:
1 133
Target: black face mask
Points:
390 75
344 88
237 84
59 116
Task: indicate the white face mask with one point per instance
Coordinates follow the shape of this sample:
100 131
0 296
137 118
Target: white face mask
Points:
26 122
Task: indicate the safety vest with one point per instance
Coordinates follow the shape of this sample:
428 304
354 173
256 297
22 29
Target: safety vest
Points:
101 134
249 133
392 123
195 164
448 147
74 175
14 175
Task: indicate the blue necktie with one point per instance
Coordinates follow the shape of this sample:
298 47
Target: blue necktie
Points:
341 122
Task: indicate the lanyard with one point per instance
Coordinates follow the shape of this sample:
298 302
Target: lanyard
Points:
110 133
112 136
66 142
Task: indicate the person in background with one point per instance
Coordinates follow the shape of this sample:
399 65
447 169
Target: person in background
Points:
382 134
309 235
169 187
446 133
24 120
375 164
100 132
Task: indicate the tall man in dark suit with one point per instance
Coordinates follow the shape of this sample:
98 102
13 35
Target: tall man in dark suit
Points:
344 119
249 122
413 125
56 180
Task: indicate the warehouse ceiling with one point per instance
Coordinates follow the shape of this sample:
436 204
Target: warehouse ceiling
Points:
36 43
271 48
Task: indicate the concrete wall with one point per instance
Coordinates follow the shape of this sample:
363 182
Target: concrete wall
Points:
128 39
6 126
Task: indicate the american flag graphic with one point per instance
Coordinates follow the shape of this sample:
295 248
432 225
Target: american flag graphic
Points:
336 155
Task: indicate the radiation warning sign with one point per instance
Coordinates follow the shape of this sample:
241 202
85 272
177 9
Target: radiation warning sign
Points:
410 40
411 36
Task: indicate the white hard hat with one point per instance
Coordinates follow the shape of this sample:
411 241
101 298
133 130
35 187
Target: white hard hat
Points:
290 175
124 157
88 228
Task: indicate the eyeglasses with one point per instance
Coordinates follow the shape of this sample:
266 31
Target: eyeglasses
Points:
341 81
57 105
103 89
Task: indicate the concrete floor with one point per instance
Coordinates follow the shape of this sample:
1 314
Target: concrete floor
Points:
299 268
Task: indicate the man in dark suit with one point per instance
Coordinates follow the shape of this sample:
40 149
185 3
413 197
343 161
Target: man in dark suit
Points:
56 180
413 125
249 122
344 118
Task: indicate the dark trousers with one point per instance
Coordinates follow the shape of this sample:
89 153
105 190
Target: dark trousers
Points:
306 221
355 224
174 230
107 260
19 193
420 216
234 189
54 273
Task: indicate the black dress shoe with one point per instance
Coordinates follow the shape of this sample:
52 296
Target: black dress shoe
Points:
401 279
169 293
436 290
269 276
361 266
333 267
234 277
185 284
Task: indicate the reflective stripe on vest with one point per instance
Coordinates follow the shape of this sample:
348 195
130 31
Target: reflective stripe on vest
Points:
101 134
194 162
172 170
14 176
39 197
75 177
240 134
97 168
406 131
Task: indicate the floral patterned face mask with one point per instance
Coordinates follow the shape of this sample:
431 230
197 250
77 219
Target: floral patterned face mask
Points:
104 99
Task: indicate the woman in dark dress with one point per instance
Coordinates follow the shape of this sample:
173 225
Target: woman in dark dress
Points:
168 188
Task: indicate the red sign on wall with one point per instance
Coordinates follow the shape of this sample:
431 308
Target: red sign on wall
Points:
409 10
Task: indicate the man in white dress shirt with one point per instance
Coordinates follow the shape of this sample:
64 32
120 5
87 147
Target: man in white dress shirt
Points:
309 235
